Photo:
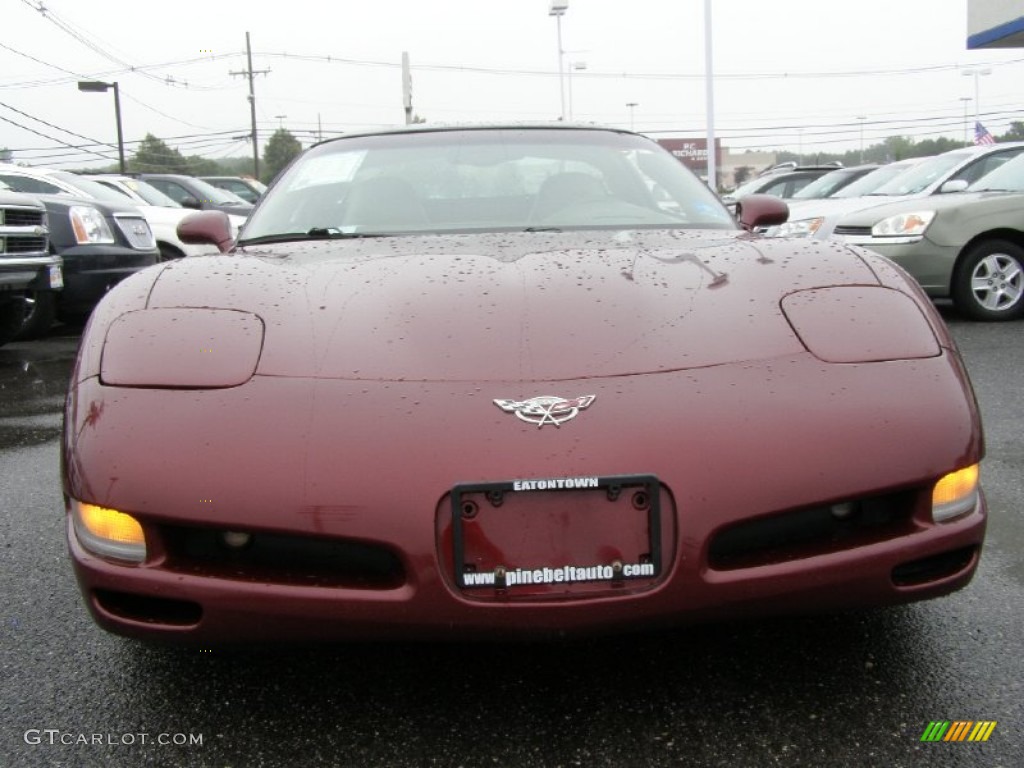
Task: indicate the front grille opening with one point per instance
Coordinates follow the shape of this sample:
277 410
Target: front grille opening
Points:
22 217
933 568
282 558
22 245
812 531
149 610
858 231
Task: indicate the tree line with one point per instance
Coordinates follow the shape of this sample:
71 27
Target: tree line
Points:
153 155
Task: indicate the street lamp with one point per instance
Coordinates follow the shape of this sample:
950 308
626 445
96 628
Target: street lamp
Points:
558 9
965 100
98 86
977 72
280 121
861 118
632 106
574 66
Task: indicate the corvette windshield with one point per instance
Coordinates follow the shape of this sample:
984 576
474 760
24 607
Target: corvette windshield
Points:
478 180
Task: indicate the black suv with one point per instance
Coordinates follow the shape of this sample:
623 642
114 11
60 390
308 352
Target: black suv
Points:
26 265
100 244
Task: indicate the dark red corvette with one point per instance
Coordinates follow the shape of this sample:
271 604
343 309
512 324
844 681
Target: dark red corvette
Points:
511 380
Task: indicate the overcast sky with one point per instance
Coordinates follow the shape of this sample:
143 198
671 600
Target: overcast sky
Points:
788 74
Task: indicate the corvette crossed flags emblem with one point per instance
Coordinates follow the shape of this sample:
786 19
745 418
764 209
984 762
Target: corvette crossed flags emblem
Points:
546 409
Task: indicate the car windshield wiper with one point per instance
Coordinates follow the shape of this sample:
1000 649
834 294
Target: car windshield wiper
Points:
315 233
543 229
331 233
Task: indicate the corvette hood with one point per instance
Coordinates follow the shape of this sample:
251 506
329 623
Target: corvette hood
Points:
513 306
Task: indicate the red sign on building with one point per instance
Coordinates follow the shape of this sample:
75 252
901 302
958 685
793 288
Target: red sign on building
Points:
693 153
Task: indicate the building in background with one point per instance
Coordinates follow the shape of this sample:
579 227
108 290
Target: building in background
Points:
733 168
995 24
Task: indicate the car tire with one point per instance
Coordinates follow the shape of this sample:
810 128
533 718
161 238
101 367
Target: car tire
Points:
988 283
40 309
12 316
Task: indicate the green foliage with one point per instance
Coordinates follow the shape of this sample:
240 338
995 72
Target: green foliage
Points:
1016 132
155 156
741 174
277 153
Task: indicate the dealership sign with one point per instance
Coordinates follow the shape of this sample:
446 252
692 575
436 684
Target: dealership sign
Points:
693 153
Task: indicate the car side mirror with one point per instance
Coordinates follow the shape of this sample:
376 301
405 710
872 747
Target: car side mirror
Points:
207 228
954 185
756 211
191 202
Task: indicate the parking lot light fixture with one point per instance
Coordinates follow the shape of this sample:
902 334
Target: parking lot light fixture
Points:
558 9
977 72
98 86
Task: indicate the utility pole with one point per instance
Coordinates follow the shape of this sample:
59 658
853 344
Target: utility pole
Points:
407 87
252 105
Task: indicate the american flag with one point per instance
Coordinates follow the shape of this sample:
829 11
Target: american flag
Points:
981 135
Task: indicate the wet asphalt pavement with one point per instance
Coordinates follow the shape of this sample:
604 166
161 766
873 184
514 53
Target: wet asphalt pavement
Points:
847 690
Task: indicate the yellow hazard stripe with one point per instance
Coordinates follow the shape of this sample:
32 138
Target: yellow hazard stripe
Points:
982 730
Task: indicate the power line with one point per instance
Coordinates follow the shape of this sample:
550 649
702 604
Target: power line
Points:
51 138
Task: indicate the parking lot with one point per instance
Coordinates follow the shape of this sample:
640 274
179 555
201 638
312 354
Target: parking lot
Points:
848 690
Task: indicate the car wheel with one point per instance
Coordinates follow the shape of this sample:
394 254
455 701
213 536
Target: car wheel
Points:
12 315
988 284
40 310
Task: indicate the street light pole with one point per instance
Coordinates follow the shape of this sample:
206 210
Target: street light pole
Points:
710 93
861 118
558 9
574 66
98 86
632 106
965 100
977 72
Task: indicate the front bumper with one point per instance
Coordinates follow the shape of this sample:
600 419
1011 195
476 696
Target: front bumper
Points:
929 263
32 274
92 270
286 457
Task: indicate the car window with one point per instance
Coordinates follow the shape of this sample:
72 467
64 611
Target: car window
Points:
985 165
172 189
91 188
748 188
826 185
923 175
28 184
778 188
444 181
872 181
239 188
1008 177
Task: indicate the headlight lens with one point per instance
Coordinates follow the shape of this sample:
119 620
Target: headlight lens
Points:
108 532
955 494
798 228
904 224
89 225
